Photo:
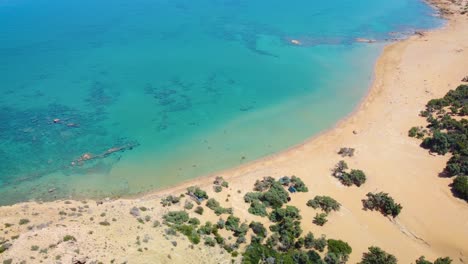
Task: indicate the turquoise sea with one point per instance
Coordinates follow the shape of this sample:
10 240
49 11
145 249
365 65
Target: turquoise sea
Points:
115 97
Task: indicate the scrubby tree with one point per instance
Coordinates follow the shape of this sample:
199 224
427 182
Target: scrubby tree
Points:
264 184
438 143
252 196
457 165
320 219
298 184
232 223
422 260
338 251
382 202
326 203
197 192
377 256
276 196
176 217
258 229
460 187
357 177
258 208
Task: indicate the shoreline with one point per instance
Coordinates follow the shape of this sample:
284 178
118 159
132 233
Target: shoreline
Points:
310 140
226 173
433 223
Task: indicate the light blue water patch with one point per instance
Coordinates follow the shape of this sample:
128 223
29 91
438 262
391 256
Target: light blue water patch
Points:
117 97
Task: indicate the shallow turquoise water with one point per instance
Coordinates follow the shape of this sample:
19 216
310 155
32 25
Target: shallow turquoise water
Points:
180 88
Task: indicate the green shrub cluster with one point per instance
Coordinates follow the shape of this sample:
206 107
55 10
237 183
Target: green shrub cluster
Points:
219 183
422 260
197 192
449 135
355 177
417 132
338 252
168 201
258 208
217 208
298 184
176 217
326 203
320 219
382 202
199 210
263 185
377 256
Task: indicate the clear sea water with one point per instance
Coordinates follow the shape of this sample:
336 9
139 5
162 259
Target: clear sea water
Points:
179 88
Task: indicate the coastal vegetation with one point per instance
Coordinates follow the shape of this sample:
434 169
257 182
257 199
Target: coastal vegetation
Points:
346 152
217 208
383 203
422 260
447 132
326 203
376 255
348 178
219 183
320 219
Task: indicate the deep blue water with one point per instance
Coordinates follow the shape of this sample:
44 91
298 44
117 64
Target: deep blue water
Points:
159 91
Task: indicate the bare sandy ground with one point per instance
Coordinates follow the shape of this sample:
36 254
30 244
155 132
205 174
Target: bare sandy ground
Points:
432 223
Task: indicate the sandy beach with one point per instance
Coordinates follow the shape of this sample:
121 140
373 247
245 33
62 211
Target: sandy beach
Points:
433 222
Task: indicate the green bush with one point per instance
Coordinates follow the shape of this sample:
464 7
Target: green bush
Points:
207 229
166 201
69 238
320 219
197 192
188 205
217 188
250 197
339 246
276 196
460 187
280 214
176 217
194 221
358 177
23 221
241 230
338 251
216 207
422 260
309 240
199 210
416 132
258 229
190 232
457 165
298 184
377 256
258 208
232 223
220 223
210 241
320 243
383 203
326 203
264 184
